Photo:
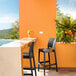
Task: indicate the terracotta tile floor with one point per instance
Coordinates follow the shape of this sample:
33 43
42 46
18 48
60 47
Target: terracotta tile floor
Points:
54 73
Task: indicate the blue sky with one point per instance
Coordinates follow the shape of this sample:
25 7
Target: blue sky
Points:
9 12
68 7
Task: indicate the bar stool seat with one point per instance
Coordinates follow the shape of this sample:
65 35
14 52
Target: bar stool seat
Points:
47 50
27 55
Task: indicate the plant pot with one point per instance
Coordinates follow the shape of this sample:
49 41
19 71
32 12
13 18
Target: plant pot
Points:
66 54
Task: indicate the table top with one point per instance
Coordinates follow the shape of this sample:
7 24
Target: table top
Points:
19 43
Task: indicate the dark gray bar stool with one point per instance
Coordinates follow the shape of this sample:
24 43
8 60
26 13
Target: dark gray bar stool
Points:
30 56
51 44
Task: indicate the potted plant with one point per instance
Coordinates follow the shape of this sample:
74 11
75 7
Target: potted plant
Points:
66 29
29 32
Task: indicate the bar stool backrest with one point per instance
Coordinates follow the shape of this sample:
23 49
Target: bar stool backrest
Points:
54 43
51 43
31 47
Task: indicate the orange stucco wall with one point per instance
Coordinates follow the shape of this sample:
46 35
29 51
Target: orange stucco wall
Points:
40 15
66 55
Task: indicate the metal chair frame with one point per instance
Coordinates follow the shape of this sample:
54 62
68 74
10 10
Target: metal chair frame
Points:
30 56
51 44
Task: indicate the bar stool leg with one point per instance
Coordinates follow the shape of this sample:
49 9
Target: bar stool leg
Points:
49 59
56 62
44 63
38 60
34 65
31 67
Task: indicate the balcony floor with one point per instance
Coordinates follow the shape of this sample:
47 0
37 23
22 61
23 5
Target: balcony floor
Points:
54 73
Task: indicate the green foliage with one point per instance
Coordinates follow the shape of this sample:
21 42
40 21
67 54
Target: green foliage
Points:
29 31
67 38
66 28
15 25
75 38
59 34
5 34
11 33
15 32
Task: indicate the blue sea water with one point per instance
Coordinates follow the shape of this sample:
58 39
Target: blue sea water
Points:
4 42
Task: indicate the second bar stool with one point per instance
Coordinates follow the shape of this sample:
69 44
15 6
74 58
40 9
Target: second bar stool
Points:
51 48
30 56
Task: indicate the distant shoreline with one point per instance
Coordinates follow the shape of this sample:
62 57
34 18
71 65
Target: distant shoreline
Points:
8 39
5 29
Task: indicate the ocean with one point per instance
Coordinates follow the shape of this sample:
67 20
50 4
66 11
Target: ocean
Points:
5 41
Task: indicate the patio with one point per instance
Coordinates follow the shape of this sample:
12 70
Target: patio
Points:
43 39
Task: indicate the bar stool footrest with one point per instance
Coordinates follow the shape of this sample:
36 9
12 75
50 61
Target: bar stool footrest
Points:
28 68
43 61
46 65
27 74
